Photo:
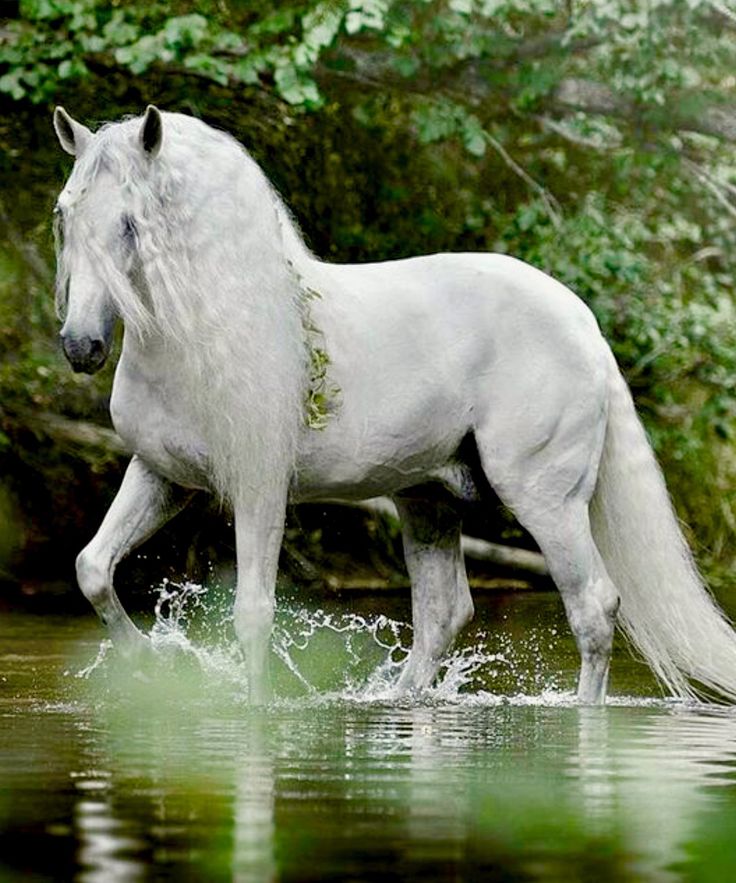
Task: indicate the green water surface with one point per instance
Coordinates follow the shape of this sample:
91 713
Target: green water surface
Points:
167 774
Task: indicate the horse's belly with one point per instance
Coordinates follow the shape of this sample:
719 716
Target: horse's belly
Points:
380 453
346 479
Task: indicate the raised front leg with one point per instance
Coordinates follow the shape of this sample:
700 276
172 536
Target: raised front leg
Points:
259 528
144 502
440 597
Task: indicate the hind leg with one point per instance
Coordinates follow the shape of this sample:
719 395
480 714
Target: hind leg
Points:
440 596
548 482
590 598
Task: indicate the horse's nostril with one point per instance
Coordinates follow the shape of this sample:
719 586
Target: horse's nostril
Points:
96 349
69 345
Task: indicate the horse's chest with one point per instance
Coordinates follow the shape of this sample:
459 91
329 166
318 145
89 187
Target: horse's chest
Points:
148 420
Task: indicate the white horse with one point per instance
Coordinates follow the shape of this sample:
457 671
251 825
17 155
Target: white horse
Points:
443 372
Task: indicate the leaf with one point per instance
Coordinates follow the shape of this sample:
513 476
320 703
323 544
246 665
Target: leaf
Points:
366 15
12 85
118 31
185 31
474 136
475 144
406 65
295 87
321 25
247 69
276 23
434 121
213 68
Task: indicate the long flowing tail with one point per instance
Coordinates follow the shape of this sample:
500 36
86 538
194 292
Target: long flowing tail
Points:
666 611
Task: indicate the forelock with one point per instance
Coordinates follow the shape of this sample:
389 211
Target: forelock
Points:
113 149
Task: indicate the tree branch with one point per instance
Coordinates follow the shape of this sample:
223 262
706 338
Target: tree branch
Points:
721 16
550 203
592 97
470 80
720 191
74 433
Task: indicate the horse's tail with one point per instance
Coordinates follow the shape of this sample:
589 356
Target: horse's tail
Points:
666 611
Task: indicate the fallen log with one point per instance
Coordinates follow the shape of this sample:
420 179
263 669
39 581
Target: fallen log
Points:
75 433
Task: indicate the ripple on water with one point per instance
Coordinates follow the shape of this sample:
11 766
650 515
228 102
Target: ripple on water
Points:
173 766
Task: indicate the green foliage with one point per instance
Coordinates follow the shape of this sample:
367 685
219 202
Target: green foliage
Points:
322 395
440 120
577 136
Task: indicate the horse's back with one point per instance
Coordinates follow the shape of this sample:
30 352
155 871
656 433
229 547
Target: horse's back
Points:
466 321
483 294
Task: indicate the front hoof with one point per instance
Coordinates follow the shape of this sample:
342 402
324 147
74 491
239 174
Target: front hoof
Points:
162 656
140 656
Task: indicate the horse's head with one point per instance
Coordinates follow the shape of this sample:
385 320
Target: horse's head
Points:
96 236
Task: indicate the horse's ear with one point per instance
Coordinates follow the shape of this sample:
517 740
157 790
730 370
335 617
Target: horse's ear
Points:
73 136
152 131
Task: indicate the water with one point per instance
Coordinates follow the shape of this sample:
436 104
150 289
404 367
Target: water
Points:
108 774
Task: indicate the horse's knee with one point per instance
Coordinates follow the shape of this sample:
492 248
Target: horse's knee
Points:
93 577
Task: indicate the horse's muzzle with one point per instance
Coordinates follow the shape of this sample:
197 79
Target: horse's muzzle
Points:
85 354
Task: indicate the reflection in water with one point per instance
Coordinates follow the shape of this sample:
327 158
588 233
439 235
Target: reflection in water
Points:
652 773
436 837
173 776
254 857
102 846
592 762
105 851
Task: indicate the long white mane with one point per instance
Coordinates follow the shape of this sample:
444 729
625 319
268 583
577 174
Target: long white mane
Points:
215 282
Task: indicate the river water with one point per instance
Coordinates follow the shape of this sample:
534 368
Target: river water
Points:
111 774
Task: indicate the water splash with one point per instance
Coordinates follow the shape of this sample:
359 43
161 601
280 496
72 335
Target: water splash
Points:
325 656
97 663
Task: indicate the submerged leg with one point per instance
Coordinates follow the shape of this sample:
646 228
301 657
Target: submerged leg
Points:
440 597
259 527
144 502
